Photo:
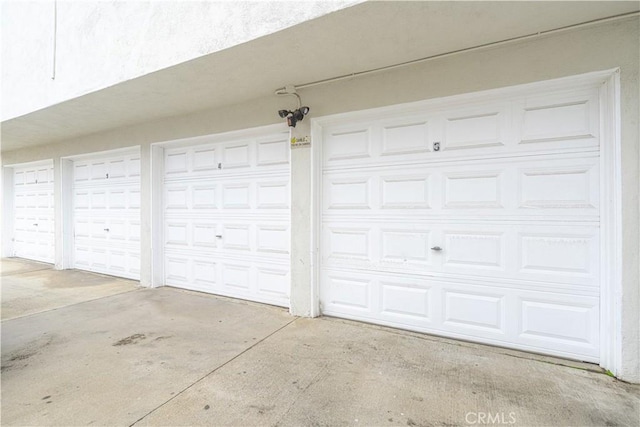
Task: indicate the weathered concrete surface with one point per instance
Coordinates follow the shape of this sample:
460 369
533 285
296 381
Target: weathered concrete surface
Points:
171 357
31 287
330 372
11 266
113 360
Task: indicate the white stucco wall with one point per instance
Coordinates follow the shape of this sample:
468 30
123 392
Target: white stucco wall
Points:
101 43
598 47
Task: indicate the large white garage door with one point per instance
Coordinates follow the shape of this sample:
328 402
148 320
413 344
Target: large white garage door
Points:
33 224
478 221
226 218
106 214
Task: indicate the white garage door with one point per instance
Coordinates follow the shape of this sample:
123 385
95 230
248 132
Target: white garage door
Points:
492 238
226 218
106 214
33 224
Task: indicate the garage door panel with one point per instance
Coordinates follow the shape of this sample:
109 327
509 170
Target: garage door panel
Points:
347 144
33 204
567 322
475 250
473 190
567 256
473 310
475 128
272 239
226 214
237 196
405 191
102 168
106 202
237 155
273 194
493 238
272 151
407 301
347 292
405 137
204 196
561 116
571 185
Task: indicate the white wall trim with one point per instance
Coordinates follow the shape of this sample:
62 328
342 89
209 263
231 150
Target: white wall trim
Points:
611 214
611 225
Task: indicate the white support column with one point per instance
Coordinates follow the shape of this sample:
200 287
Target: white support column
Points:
301 291
156 231
63 199
146 213
6 212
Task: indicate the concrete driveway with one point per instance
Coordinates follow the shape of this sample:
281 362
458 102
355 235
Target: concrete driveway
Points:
131 356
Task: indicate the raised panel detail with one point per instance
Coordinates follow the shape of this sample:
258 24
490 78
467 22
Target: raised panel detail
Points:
273 195
204 197
236 196
405 246
349 243
349 194
204 272
273 152
403 300
117 199
406 138
176 269
556 188
473 310
405 192
236 156
204 159
176 234
473 131
475 250
176 198
349 292
117 169
204 235
175 162
558 121
481 190
273 281
347 145
273 239
557 253
236 237
236 276
557 321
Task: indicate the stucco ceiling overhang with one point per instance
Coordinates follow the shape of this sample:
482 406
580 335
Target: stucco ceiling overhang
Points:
362 37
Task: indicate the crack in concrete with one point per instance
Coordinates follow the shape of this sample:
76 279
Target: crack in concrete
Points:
69 305
17 273
213 371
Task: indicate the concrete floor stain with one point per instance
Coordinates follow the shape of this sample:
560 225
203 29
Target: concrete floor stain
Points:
133 339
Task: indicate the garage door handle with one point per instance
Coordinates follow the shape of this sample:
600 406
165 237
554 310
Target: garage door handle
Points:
219 236
436 248
106 229
35 225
